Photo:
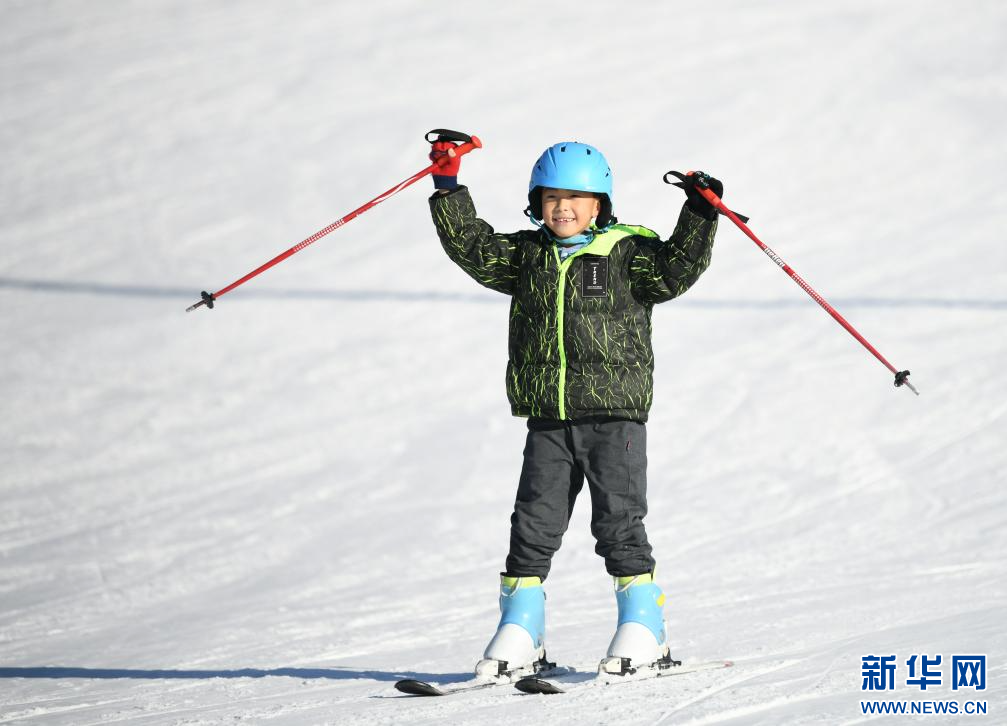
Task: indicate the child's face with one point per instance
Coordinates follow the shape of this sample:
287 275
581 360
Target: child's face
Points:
568 212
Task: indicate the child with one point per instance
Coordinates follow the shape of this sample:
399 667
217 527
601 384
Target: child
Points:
580 369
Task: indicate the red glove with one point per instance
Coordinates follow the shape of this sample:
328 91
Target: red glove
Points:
446 175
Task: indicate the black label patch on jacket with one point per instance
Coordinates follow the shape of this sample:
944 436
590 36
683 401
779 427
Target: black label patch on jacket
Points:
594 278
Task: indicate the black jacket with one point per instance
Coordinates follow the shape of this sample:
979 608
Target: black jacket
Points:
580 328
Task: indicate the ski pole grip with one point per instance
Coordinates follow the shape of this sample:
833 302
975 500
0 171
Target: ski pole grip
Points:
687 182
460 150
703 188
465 148
709 196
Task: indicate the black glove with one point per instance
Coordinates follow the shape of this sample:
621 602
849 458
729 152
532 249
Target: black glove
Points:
696 201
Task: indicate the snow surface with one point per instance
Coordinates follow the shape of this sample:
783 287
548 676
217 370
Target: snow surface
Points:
271 511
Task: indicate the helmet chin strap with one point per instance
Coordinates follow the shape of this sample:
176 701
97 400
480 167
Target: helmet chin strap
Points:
534 220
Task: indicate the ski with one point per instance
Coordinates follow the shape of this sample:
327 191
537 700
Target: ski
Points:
413 687
537 685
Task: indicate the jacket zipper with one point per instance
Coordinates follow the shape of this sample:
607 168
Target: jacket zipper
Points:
560 305
564 266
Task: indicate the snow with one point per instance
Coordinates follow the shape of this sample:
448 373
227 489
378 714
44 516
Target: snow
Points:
273 510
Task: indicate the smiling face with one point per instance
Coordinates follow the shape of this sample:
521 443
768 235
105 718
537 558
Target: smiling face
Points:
568 212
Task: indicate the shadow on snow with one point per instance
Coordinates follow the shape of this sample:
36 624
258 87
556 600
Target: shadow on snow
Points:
184 295
60 672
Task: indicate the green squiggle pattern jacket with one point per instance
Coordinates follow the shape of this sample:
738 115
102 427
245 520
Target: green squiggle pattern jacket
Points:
580 328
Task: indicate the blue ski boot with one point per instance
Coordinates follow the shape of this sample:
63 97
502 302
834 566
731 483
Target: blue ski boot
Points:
641 638
518 647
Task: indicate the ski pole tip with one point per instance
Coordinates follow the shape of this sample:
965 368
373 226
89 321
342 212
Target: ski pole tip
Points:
902 379
207 299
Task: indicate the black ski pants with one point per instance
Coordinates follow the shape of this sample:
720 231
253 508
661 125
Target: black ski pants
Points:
611 454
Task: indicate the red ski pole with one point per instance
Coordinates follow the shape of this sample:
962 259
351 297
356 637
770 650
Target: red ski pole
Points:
702 186
470 143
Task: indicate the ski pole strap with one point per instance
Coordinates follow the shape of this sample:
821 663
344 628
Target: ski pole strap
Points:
447 135
698 182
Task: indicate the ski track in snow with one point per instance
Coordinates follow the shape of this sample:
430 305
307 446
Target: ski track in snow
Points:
271 511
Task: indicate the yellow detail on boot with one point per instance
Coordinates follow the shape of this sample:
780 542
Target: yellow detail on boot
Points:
516 583
660 601
622 583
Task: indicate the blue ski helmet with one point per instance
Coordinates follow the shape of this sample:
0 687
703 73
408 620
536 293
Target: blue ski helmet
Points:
572 165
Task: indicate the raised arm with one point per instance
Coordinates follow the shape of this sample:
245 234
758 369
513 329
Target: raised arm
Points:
489 258
662 270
